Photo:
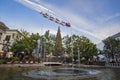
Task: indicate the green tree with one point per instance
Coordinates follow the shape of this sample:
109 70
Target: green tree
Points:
58 44
24 33
111 45
86 48
24 45
27 44
47 41
50 43
18 46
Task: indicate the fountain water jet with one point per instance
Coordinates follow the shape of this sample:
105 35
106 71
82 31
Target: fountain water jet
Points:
62 73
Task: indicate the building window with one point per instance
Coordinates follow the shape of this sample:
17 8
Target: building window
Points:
0 36
7 38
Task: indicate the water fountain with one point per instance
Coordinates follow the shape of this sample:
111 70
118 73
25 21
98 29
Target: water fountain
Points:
62 73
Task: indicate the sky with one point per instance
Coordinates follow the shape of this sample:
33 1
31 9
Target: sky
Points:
95 19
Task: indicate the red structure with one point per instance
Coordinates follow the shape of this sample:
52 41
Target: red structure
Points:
68 24
56 20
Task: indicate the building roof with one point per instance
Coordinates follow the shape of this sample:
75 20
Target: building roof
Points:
101 44
12 30
3 26
116 35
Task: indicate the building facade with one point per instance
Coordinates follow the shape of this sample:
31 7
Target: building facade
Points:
116 36
101 44
8 36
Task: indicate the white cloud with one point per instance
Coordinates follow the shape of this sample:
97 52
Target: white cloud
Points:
73 18
42 30
112 17
93 28
108 30
82 24
105 18
34 6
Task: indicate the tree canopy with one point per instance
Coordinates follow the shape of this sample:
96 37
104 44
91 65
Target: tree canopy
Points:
86 48
111 45
55 44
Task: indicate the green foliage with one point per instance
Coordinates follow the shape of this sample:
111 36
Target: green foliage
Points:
111 45
47 43
3 61
24 33
58 44
27 44
87 49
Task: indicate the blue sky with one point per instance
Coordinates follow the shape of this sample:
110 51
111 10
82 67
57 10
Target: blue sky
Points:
95 19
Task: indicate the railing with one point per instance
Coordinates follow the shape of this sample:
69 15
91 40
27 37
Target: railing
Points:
116 65
111 65
100 63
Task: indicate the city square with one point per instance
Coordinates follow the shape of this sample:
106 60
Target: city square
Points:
59 40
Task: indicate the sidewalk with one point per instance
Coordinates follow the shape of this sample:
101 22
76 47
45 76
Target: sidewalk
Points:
21 65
